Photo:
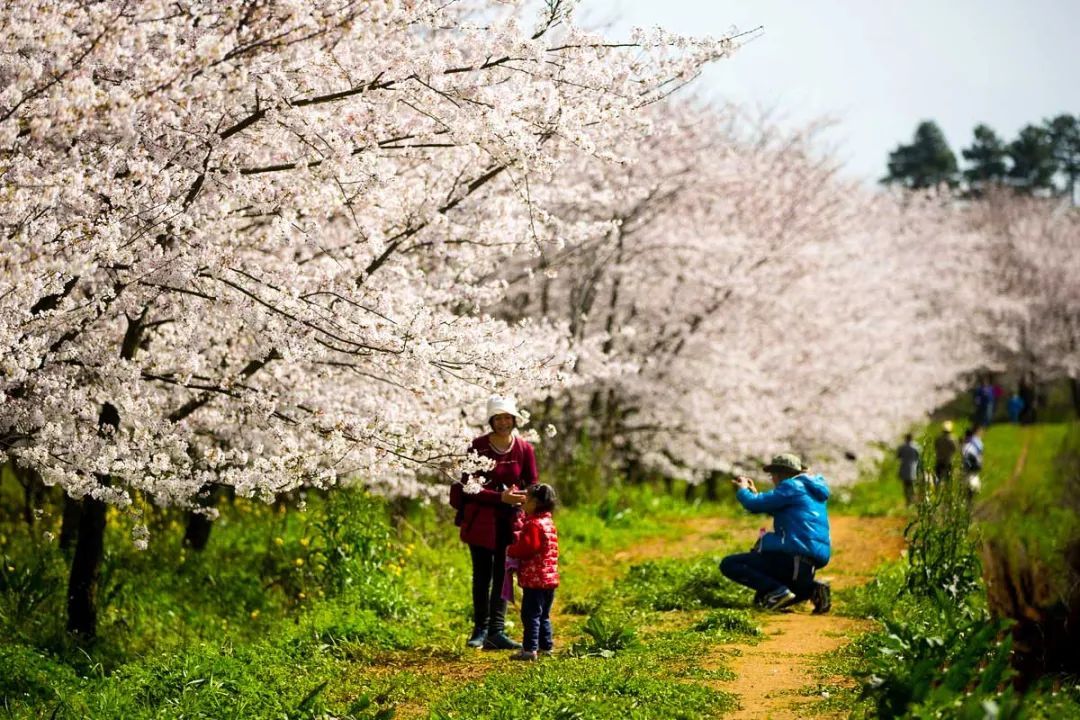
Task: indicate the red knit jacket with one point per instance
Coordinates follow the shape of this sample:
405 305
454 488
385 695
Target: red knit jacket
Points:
537 547
485 511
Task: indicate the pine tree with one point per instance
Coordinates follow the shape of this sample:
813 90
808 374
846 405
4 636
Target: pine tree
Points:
926 162
986 160
1065 137
1033 164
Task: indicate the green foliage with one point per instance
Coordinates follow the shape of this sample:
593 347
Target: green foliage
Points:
942 554
605 634
26 585
986 158
682 585
926 162
627 686
1032 159
939 653
728 623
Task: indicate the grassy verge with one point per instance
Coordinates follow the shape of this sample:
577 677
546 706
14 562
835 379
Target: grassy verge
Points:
946 648
343 611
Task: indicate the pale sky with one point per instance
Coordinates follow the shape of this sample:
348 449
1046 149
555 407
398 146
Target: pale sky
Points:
880 67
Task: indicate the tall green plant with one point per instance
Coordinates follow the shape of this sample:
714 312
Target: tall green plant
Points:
942 550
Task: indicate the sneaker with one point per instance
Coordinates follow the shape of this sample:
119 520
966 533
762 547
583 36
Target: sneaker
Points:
500 641
477 638
526 655
545 653
778 599
821 597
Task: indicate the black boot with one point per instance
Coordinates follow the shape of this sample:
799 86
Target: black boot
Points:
500 641
479 634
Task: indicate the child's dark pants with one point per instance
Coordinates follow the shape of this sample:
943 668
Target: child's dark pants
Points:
769 571
535 618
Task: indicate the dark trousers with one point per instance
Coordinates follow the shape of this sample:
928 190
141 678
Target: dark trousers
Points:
536 618
769 571
488 570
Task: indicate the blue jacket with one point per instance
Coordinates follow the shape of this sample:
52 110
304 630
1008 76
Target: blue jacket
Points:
800 520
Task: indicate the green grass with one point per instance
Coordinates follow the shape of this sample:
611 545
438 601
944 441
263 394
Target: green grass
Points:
300 615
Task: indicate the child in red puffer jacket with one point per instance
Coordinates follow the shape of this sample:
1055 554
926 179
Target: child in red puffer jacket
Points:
537 549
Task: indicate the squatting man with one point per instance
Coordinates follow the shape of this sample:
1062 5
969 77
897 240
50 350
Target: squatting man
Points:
781 566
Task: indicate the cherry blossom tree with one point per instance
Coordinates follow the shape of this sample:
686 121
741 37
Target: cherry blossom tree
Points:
244 240
737 296
1028 316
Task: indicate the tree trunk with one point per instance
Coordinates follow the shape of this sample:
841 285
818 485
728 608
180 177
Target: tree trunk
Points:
85 569
197 532
199 525
711 483
1075 383
69 524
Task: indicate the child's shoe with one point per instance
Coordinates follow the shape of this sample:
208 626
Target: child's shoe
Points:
821 597
526 655
778 599
500 641
545 653
476 640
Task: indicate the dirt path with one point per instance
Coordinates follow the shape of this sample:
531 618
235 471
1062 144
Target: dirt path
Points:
770 674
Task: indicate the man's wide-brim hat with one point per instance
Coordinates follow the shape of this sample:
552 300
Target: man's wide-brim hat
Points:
785 462
498 405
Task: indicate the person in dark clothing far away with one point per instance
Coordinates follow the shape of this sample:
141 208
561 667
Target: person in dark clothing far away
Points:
945 448
782 565
908 455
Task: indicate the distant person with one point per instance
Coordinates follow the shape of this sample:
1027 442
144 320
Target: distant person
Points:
781 568
908 455
945 448
984 403
537 551
1015 406
1027 394
971 460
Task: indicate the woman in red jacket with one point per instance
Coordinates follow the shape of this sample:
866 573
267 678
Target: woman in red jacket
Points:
490 516
537 547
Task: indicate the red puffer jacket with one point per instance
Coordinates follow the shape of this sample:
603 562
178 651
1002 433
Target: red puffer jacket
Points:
537 547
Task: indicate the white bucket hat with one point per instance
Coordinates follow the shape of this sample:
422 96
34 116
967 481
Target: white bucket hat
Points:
497 405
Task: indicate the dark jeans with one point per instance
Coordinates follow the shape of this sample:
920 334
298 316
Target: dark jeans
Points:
488 570
909 490
535 618
769 571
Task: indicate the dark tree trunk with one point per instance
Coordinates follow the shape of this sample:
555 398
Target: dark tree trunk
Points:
85 569
1075 383
197 532
199 525
69 524
90 544
711 483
